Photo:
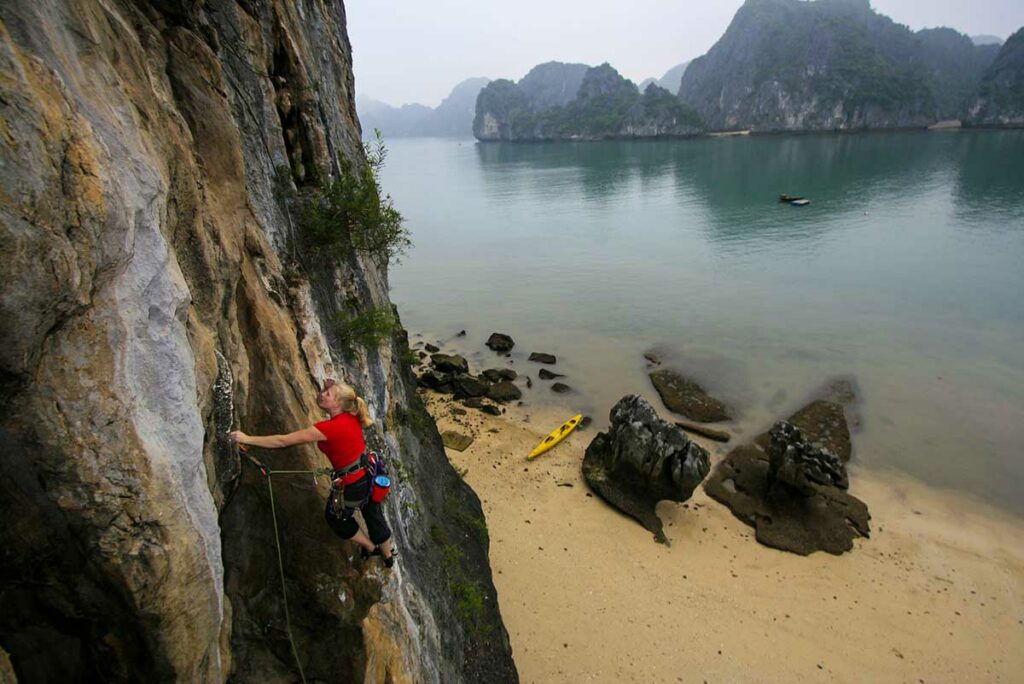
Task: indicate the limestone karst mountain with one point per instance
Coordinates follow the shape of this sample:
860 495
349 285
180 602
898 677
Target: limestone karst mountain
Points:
452 117
556 101
830 64
999 100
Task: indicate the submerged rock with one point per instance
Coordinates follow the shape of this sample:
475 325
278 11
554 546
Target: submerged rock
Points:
642 460
545 374
500 342
560 388
790 489
685 397
541 357
431 348
704 431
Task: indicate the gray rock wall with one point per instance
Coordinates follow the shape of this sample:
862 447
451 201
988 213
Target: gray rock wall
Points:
148 268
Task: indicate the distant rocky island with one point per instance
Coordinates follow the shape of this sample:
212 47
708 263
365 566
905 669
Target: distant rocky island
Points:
453 117
557 101
787 65
1000 97
781 66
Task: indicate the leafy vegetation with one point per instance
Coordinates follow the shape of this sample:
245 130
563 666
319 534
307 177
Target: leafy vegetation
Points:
470 597
367 329
350 215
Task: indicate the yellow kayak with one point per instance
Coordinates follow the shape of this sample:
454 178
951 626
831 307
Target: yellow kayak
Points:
556 436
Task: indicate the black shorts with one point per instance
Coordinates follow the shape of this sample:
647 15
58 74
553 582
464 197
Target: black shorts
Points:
345 525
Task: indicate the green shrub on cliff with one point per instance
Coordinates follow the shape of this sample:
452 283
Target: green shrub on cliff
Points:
369 329
351 214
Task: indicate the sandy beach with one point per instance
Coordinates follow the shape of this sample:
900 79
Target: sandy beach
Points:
935 595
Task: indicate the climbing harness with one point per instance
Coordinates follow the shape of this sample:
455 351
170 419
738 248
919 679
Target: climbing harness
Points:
267 473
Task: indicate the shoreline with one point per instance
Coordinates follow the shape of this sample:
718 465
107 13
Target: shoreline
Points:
935 127
936 593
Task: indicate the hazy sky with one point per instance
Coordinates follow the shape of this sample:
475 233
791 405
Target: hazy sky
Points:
416 50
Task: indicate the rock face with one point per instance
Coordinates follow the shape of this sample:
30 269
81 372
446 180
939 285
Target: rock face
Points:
150 304
790 488
787 65
685 397
575 102
801 465
1000 97
642 460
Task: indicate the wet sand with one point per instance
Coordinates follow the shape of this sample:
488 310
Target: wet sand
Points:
935 595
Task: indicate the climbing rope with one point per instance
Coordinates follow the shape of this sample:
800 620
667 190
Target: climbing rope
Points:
267 473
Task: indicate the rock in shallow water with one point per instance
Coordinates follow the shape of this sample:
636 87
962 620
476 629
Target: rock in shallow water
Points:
642 460
500 342
541 357
800 464
503 391
685 397
802 519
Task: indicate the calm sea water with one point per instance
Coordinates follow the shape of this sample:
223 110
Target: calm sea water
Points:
906 273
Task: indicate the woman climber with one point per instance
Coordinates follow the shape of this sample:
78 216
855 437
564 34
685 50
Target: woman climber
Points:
341 439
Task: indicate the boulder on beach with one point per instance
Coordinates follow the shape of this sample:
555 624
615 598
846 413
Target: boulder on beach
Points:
491 410
545 374
685 397
456 440
503 391
449 363
465 385
823 423
431 348
791 489
432 379
473 402
800 464
500 342
541 357
499 374
642 460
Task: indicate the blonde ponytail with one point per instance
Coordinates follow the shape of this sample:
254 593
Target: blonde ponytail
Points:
362 412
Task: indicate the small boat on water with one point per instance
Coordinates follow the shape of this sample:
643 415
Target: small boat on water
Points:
795 200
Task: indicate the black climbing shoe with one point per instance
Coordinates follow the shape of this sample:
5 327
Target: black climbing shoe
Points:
366 554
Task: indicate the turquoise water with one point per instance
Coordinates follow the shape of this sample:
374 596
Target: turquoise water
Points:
906 272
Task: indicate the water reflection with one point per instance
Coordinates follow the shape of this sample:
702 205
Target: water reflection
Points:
734 182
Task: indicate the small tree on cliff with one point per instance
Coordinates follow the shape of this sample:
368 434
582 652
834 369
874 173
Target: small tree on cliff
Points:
352 215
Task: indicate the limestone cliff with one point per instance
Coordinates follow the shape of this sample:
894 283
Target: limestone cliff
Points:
550 103
788 65
151 298
1000 97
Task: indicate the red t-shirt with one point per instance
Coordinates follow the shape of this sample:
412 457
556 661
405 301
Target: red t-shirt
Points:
344 443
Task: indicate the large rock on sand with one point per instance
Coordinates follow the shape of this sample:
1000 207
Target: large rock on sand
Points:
685 397
642 460
450 363
793 504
